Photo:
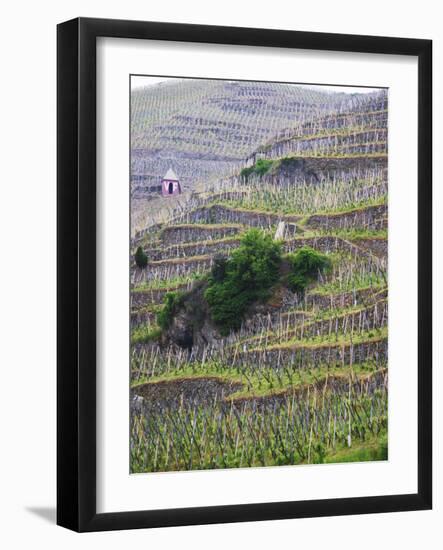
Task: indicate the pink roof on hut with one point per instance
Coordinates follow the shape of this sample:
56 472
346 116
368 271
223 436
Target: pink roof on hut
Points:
170 175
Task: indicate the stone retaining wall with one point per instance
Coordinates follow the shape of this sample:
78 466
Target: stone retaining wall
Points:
308 356
193 249
344 299
378 247
171 269
143 318
177 234
326 244
367 218
223 214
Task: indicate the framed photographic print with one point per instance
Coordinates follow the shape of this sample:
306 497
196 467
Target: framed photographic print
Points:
244 274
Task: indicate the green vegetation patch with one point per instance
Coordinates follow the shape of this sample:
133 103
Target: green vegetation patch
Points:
171 304
375 448
246 277
143 334
260 168
306 264
141 259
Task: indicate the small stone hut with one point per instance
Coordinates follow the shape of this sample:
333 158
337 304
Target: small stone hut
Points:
170 184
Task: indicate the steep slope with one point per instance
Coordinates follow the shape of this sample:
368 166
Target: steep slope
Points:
304 377
207 127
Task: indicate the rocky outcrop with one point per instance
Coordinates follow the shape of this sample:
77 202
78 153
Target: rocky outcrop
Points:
191 324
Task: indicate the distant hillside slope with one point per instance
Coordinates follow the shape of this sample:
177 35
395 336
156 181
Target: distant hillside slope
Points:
207 127
358 125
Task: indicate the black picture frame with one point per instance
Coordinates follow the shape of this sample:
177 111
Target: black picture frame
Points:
76 281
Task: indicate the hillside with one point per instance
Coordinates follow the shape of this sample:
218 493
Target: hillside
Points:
208 131
207 127
314 360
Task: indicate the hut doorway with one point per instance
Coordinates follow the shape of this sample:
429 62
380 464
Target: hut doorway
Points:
170 184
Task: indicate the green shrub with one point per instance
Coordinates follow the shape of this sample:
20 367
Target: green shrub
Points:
144 334
140 258
171 302
260 168
306 264
219 266
244 278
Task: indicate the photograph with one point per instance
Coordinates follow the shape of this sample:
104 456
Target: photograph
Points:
258 274
224 266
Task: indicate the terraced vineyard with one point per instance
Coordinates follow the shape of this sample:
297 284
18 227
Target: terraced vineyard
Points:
300 375
207 129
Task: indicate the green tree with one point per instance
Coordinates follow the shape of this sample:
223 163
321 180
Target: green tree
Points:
244 278
260 168
219 265
306 264
141 259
